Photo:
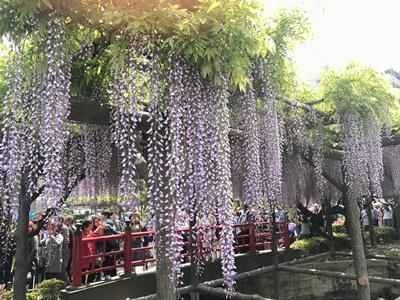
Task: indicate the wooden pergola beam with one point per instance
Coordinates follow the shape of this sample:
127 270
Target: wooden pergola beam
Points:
328 118
182 291
219 292
252 273
341 275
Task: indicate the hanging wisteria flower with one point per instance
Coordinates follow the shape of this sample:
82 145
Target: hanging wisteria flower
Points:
252 182
362 157
392 164
318 160
92 170
270 144
127 96
55 110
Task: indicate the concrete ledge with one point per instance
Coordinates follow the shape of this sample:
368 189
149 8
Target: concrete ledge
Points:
145 283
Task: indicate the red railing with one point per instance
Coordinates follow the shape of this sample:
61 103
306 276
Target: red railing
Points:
249 237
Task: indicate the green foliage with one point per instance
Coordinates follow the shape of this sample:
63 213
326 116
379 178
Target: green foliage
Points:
47 290
317 245
339 228
286 29
383 234
358 90
311 246
219 37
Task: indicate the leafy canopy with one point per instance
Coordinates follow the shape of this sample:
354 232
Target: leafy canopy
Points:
359 90
220 37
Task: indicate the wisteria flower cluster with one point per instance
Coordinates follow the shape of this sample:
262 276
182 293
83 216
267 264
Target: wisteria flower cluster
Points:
362 157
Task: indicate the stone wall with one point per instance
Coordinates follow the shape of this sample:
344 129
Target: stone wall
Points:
145 283
308 287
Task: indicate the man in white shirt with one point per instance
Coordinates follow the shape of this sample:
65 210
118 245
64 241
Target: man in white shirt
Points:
387 216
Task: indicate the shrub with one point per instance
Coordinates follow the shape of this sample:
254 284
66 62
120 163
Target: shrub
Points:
317 245
383 234
47 290
311 246
339 228
386 234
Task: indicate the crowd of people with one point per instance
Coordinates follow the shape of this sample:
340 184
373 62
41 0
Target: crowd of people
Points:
51 240
51 244
381 215
303 227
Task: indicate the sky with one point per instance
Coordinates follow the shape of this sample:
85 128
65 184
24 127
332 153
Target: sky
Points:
367 31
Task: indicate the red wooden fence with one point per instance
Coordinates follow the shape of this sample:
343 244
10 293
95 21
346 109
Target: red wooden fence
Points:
251 237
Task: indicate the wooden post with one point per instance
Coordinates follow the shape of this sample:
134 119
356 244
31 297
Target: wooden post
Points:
127 249
194 295
371 225
76 257
252 238
21 237
360 265
286 237
274 249
396 214
329 229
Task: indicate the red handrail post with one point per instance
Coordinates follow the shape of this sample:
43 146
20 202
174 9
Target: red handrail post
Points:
76 257
127 249
252 238
286 238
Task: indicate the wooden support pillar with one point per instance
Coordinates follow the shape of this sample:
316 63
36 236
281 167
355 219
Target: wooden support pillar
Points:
371 225
21 236
396 214
219 292
360 265
274 249
194 295
329 229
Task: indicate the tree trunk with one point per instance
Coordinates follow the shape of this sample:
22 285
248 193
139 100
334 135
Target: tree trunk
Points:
193 265
329 230
360 265
396 211
275 255
165 286
21 256
371 230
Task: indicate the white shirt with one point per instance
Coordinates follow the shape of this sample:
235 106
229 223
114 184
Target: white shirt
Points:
364 216
387 214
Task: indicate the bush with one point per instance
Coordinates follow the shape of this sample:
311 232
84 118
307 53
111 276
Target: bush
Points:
317 245
383 234
311 246
46 290
386 234
339 228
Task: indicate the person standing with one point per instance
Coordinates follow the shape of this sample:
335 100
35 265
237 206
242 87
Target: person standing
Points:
33 259
88 249
137 242
374 213
8 248
69 222
53 251
364 217
387 216
66 251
